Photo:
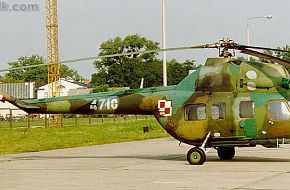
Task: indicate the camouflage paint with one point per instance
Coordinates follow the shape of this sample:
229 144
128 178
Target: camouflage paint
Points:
220 80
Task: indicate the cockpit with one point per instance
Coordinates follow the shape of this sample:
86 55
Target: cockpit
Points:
278 110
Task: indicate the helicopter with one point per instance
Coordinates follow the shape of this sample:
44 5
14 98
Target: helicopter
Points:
227 103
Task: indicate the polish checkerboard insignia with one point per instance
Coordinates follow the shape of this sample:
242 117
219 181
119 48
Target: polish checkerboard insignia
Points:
165 108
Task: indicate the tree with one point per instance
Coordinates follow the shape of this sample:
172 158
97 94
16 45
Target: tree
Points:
282 55
124 70
36 74
7 79
127 71
101 88
178 71
65 71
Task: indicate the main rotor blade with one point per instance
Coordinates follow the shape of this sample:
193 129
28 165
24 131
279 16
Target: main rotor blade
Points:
241 47
267 57
116 55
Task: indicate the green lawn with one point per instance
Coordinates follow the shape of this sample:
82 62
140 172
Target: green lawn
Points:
19 140
68 122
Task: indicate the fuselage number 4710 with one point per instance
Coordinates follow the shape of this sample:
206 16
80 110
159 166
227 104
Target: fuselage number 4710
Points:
105 104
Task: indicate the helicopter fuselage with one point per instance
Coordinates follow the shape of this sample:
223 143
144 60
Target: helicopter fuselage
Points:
240 104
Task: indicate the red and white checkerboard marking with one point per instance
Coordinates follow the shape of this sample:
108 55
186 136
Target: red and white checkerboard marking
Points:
2 98
165 108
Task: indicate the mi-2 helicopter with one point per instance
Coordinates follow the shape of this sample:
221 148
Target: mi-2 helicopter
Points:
227 103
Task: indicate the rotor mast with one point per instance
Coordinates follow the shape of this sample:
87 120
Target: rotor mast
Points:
53 54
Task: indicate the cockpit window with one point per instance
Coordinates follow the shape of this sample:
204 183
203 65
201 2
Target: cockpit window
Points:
278 110
195 112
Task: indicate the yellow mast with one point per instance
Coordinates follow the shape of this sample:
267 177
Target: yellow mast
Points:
53 55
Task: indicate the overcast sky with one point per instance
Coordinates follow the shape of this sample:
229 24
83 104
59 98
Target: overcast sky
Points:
85 24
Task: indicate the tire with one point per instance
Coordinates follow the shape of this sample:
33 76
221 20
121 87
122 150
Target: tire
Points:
226 153
196 156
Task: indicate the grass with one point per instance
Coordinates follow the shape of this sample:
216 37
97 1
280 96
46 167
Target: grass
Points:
68 122
20 140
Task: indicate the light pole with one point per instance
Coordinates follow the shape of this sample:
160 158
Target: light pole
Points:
248 27
164 44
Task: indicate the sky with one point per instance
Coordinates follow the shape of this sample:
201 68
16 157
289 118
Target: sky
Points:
84 25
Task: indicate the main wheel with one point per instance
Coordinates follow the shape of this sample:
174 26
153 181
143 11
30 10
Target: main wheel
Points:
196 156
226 153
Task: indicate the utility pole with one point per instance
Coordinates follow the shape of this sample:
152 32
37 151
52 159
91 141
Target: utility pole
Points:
164 43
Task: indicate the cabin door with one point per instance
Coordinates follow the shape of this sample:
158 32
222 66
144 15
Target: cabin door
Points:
278 119
220 117
196 118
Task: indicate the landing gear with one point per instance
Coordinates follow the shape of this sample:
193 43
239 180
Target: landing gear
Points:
226 153
196 156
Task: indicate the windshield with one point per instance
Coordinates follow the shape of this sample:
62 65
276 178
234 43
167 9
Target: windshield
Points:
278 110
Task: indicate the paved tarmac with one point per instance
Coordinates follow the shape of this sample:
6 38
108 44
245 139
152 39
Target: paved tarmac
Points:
151 164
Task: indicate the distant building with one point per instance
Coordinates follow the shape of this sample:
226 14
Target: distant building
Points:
24 90
18 90
65 86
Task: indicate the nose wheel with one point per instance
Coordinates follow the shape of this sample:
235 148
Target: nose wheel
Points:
196 156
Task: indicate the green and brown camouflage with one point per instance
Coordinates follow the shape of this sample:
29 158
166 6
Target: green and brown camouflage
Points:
240 103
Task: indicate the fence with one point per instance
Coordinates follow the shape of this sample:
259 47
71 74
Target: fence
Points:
14 120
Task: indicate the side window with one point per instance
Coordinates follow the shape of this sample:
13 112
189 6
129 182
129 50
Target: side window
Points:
247 109
278 111
195 112
218 111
